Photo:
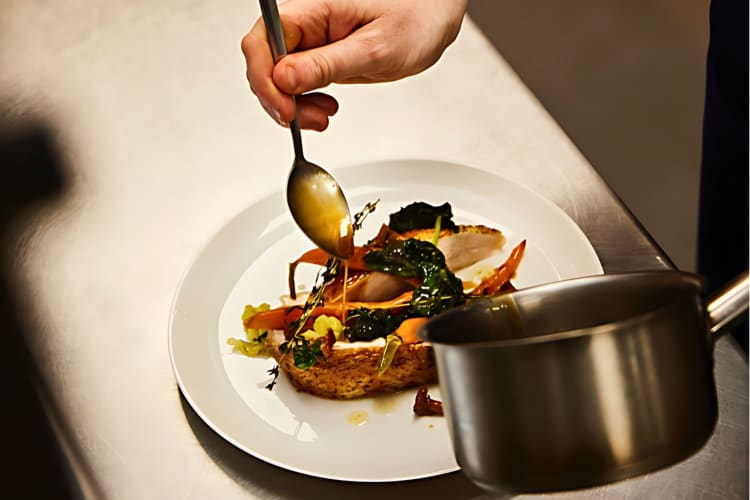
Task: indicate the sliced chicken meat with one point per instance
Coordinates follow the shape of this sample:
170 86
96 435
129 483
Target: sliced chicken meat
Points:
373 286
467 246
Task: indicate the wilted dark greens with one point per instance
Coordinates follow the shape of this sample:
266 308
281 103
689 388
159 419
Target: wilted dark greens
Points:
368 324
421 215
439 291
412 258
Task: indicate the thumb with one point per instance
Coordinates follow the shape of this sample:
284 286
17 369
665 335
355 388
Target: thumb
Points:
347 60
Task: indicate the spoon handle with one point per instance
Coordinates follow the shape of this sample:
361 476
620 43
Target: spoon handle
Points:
275 34
274 30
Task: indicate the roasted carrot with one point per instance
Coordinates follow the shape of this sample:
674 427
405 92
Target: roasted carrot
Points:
500 276
407 330
320 258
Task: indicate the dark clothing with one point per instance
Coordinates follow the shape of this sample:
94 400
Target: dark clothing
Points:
723 220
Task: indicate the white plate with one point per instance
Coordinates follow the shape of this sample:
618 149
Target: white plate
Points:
246 263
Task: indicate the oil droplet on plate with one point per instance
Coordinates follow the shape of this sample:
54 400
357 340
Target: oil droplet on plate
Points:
357 418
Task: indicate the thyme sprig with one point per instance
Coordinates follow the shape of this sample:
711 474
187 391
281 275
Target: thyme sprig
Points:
274 372
322 279
306 353
360 216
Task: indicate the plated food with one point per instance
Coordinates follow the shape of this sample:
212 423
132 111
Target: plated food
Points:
354 334
246 262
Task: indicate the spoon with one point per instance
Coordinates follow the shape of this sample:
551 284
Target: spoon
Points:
315 199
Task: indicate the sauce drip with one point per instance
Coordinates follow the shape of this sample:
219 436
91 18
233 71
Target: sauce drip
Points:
343 294
345 244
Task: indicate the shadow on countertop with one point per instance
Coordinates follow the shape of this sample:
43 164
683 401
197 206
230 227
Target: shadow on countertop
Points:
41 459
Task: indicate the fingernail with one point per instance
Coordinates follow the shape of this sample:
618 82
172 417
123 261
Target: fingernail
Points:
281 122
291 78
274 114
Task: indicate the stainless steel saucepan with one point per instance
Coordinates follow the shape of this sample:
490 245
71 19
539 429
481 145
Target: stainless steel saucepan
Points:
584 381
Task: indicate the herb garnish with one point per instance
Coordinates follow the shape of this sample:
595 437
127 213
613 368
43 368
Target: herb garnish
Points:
306 353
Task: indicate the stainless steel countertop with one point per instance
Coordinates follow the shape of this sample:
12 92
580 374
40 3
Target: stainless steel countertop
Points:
164 144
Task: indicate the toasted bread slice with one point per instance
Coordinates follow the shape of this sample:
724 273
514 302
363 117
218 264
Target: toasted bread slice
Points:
351 368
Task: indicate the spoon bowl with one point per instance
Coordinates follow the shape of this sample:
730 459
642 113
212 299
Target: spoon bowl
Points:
319 208
316 201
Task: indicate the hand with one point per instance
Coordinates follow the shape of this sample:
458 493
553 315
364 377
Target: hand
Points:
345 41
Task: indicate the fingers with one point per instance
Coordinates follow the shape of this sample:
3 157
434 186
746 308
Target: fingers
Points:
350 59
315 109
259 69
259 63
346 41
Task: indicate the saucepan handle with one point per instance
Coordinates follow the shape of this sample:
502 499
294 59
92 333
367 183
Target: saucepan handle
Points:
728 305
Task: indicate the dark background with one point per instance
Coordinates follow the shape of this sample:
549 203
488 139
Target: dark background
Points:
626 81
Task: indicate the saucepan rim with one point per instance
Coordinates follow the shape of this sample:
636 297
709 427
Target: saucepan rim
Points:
695 280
